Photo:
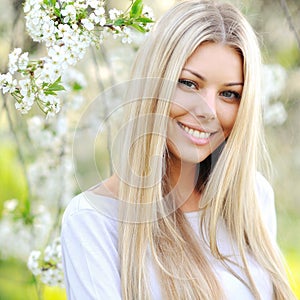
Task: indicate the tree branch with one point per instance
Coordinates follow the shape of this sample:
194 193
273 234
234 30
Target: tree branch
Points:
105 109
290 21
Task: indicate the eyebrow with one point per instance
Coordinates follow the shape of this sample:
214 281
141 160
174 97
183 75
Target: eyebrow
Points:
204 79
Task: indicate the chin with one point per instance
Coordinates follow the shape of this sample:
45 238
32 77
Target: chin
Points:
188 157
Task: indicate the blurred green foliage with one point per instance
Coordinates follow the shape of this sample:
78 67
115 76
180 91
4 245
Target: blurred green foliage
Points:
12 183
288 57
17 283
293 260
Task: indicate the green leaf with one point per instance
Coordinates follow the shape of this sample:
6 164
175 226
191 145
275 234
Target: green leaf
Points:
136 9
57 81
81 14
26 214
57 12
54 87
119 22
50 2
50 92
144 20
139 28
77 87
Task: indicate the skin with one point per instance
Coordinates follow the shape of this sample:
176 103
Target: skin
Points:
206 99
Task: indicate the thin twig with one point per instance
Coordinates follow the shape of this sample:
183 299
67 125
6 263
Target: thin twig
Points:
290 21
60 208
110 67
105 109
2 107
38 288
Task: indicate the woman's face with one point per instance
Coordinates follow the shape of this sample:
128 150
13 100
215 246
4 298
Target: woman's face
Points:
206 102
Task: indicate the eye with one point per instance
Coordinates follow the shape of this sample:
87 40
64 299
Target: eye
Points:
188 83
231 95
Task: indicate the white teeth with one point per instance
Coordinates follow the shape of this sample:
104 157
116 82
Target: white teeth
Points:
196 133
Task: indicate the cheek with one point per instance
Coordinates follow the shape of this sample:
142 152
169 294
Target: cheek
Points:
177 109
182 103
227 117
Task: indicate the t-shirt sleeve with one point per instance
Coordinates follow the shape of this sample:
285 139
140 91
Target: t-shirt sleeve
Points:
267 204
90 256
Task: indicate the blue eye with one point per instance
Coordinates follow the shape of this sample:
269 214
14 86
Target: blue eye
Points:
231 95
188 83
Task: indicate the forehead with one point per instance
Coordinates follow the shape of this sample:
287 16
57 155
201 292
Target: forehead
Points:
215 59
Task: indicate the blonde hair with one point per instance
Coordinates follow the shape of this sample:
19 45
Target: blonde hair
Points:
149 225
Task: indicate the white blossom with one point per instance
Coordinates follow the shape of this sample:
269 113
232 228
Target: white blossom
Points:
48 28
17 237
13 60
275 114
47 265
37 20
87 24
99 11
148 12
127 36
64 31
25 104
25 86
80 4
2 80
56 53
7 83
52 104
69 13
23 61
93 3
50 72
33 262
274 80
10 205
114 13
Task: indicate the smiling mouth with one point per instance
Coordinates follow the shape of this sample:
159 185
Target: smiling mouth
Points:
194 132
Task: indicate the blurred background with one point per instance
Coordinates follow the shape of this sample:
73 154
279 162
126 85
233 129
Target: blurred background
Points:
277 24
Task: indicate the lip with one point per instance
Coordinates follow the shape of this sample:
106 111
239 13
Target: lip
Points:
196 140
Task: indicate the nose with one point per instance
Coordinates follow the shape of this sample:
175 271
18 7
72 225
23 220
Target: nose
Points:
206 104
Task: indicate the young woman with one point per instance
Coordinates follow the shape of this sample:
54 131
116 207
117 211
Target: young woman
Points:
186 215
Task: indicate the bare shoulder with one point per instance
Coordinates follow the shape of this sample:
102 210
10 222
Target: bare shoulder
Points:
107 188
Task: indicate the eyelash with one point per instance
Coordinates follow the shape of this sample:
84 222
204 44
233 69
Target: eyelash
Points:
193 85
188 83
236 95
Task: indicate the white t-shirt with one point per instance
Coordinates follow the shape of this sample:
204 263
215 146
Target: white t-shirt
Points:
89 240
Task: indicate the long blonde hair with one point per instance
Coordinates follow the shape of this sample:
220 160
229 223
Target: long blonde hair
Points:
149 225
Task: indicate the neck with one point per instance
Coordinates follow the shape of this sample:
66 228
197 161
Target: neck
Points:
183 181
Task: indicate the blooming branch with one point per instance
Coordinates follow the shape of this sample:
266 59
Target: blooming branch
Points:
68 28
47 265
